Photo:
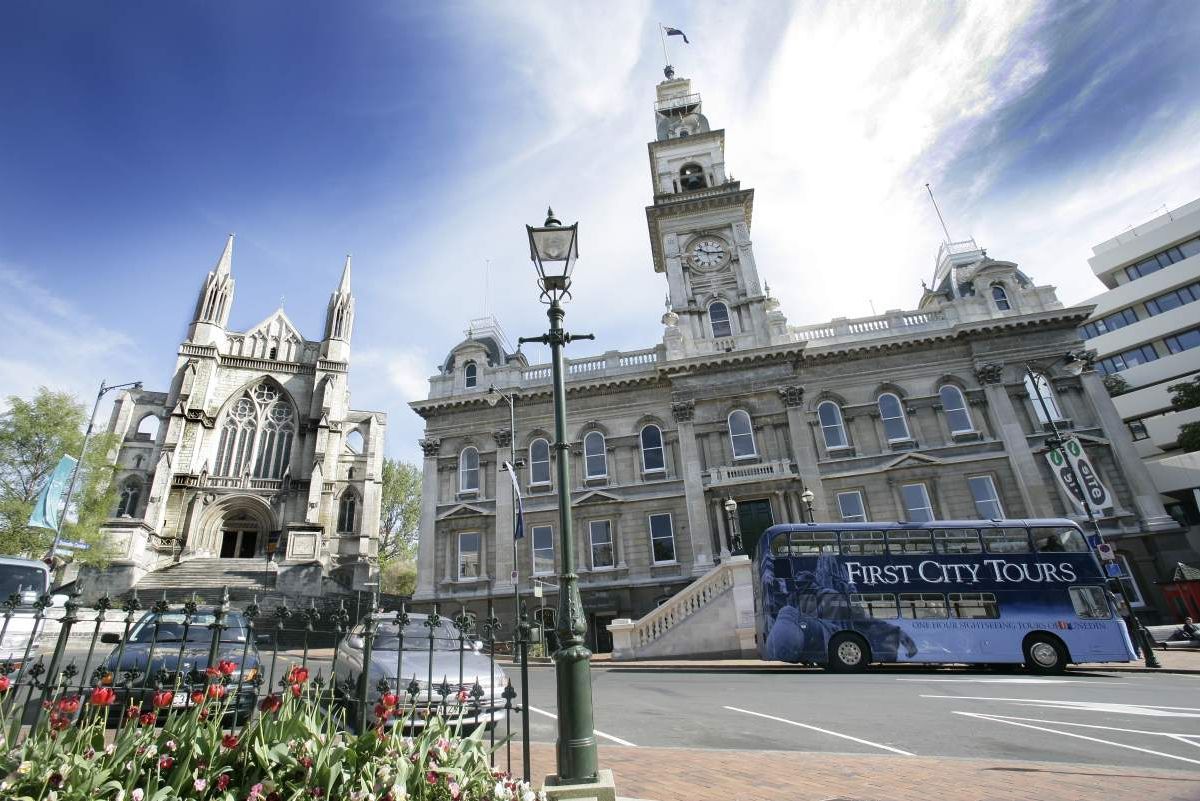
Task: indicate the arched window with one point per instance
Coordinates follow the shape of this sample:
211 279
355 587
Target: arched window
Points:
148 427
891 411
468 470
832 428
131 493
472 373
1000 297
955 406
691 176
354 441
595 459
741 435
1045 404
347 510
718 318
652 450
539 462
258 430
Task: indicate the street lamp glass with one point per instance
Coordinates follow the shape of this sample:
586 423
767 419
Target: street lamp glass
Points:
1074 364
553 250
807 496
730 505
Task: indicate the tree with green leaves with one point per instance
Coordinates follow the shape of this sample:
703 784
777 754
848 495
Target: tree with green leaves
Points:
1187 396
34 435
399 521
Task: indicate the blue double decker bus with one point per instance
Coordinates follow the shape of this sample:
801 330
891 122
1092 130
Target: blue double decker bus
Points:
963 591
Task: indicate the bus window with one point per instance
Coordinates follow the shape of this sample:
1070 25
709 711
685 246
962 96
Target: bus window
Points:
860 543
1062 539
1006 540
973 605
957 540
922 605
910 542
1090 603
878 605
805 543
806 604
783 568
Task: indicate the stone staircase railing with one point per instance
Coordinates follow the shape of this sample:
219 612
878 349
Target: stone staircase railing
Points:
730 632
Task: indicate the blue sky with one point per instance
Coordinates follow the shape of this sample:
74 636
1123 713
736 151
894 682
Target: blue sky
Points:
422 137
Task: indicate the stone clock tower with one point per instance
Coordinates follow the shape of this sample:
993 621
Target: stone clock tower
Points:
700 236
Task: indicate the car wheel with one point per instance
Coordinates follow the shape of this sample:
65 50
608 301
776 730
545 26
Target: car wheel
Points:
848 653
1044 654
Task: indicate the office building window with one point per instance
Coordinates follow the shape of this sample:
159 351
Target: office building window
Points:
1126 359
851 506
1108 323
1173 299
469 563
987 500
1186 340
662 538
601 540
917 507
543 549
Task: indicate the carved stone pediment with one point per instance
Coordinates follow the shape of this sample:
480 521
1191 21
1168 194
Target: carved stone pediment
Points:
430 445
989 373
793 395
683 411
503 437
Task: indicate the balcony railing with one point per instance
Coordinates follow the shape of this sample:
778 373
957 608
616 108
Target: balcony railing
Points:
609 364
743 473
672 103
880 325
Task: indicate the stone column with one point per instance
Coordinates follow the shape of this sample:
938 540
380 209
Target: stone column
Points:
427 538
803 448
693 487
503 542
1145 496
1026 470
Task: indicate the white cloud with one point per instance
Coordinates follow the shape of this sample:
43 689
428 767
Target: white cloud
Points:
389 379
51 342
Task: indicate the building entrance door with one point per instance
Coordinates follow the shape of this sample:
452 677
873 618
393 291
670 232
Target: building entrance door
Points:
238 544
600 636
754 517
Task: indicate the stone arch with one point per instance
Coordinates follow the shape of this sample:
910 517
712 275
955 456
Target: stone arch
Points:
249 518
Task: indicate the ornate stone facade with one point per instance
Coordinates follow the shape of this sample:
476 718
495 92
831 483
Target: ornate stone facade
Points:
252 452
891 417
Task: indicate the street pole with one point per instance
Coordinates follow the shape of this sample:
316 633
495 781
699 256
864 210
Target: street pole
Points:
576 746
1056 441
87 436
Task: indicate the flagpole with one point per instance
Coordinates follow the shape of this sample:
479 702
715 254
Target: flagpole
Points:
663 36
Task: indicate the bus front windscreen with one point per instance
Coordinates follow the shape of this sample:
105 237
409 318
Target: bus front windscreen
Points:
21 580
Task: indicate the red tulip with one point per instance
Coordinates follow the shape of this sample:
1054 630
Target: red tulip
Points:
297 690
69 705
148 719
389 699
216 691
226 667
162 699
132 712
59 721
382 712
166 763
271 703
229 741
5 683
297 675
102 696
197 698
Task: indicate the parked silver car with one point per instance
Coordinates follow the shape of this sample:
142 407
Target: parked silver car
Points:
457 662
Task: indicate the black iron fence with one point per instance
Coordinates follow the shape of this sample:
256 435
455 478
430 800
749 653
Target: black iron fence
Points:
169 657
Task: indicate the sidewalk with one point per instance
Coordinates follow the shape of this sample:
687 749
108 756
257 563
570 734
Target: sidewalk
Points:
676 774
1176 661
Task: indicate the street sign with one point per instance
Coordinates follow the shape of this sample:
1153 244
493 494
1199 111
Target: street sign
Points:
73 545
1092 494
1114 569
1106 552
513 577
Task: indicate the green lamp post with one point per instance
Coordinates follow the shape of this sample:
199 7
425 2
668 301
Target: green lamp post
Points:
553 249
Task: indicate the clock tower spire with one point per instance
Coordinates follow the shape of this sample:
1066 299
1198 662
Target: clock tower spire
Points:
700 235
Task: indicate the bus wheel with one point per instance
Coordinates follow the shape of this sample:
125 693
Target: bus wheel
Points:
1044 654
848 653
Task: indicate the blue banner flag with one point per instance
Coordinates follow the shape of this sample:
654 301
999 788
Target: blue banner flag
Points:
677 32
519 531
48 506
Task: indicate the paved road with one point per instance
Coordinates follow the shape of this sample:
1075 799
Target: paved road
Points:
1128 719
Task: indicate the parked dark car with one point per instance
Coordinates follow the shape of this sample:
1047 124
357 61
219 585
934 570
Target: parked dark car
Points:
180 656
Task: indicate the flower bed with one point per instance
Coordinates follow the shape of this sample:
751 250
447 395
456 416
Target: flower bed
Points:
293 749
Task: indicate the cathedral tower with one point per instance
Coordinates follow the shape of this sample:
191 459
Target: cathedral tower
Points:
339 320
700 234
214 302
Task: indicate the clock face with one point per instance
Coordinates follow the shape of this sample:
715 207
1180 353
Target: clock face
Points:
707 251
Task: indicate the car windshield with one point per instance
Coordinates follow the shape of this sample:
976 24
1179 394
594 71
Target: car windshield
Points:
21 579
172 625
416 636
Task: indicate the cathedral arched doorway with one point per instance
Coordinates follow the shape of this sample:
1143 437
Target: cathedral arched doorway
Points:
240 538
235 527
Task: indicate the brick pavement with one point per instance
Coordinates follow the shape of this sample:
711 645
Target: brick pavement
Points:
667 774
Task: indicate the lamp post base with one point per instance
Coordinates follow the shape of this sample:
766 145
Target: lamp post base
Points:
604 788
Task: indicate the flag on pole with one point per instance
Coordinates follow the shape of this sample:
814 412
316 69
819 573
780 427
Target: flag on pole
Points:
677 32
48 506
519 530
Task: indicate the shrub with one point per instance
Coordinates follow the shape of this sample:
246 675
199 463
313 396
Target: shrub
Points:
295 748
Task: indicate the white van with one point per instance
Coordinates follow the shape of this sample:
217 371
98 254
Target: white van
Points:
26 580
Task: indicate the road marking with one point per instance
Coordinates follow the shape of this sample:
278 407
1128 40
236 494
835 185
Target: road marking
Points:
1088 706
1183 738
1019 680
1013 722
597 732
823 731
